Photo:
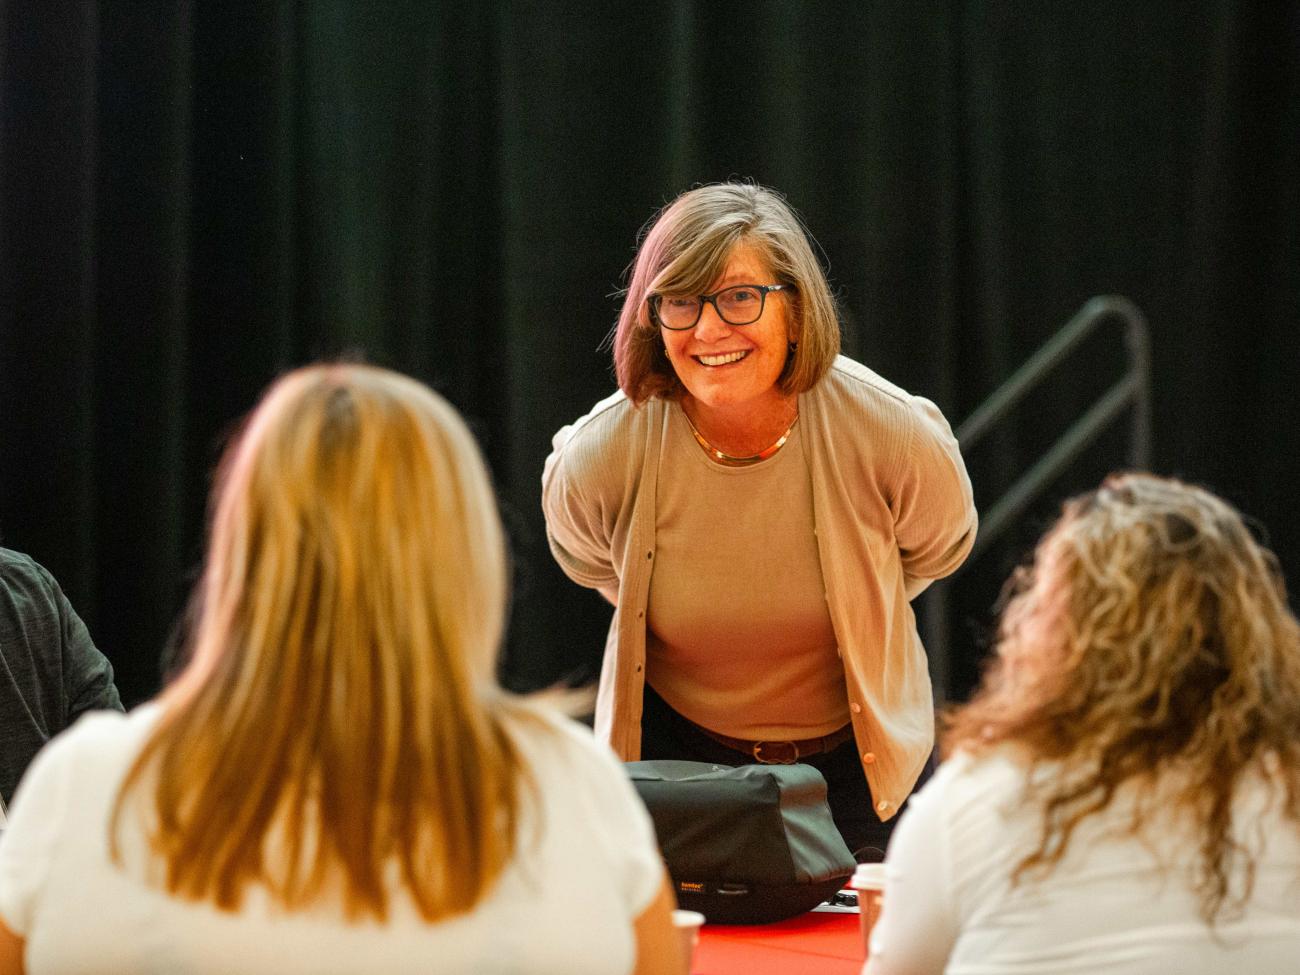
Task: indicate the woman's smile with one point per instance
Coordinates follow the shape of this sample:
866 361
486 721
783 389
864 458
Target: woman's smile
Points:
723 359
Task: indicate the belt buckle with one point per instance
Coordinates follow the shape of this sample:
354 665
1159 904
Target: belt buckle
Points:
761 747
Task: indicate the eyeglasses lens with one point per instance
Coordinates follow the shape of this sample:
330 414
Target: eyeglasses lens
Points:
678 311
741 305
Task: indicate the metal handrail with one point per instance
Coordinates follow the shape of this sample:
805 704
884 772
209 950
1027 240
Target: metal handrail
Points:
1133 389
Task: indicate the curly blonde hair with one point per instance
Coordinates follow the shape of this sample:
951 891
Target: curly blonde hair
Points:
1151 631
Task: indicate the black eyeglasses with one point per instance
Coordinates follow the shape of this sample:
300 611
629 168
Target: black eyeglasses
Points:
741 304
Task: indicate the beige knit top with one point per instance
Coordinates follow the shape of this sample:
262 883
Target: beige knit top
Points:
892 510
739 635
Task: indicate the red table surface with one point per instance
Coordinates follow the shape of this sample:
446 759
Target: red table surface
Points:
810 944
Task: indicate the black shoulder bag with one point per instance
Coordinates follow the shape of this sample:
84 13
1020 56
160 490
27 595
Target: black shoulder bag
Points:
747 844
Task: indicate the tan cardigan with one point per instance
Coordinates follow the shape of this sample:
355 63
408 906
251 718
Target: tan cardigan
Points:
893 510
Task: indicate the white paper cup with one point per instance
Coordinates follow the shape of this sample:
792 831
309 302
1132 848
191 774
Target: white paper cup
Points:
688 924
869 881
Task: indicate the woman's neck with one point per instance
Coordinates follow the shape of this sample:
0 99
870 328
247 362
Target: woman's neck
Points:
743 430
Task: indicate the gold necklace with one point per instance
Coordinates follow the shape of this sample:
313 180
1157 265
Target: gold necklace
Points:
730 460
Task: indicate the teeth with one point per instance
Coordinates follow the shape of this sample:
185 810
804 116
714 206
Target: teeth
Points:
721 360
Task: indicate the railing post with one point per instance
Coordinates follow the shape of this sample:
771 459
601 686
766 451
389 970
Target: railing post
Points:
1133 391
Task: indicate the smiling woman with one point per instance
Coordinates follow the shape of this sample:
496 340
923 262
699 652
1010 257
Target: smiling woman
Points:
759 510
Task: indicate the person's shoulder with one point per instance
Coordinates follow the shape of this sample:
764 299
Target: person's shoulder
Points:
101 736
11 560
881 411
850 379
90 756
610 419
551 738
113 727
850 389
538 720
601 443
967 783
29 595
21 571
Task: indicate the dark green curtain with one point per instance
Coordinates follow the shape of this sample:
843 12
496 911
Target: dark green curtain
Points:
196 196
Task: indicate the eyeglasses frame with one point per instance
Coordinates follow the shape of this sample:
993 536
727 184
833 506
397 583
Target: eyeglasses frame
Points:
763 289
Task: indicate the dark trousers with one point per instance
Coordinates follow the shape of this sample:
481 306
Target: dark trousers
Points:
665 734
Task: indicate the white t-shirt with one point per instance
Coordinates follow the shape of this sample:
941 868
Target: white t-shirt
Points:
1117 904
566 904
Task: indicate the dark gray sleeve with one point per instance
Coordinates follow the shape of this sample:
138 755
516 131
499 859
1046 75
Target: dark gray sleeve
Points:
50 671
87 674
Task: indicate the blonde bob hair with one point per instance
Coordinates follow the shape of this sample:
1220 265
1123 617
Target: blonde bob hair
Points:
1150 640
686 250
339 715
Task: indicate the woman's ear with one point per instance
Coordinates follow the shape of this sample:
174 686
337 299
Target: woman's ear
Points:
794 320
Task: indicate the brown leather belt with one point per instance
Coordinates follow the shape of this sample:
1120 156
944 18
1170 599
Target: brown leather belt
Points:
782 752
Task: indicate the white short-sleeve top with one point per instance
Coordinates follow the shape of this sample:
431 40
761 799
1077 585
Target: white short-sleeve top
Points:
586 868
1116 903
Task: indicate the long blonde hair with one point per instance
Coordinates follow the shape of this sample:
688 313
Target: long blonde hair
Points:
339 712
1151 634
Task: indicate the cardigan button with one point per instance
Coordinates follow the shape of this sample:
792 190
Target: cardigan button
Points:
868 758
855 707
882 806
